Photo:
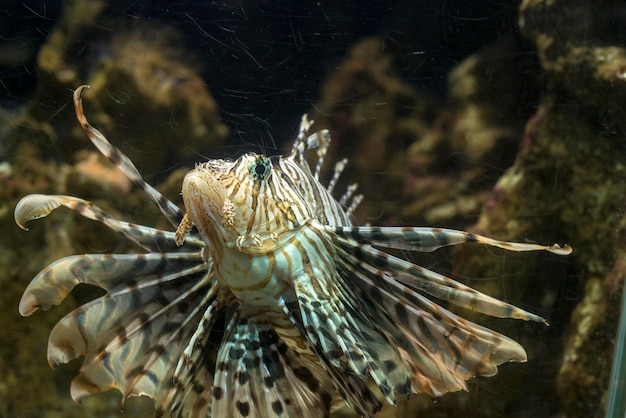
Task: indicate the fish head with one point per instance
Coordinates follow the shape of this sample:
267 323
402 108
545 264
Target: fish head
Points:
247 203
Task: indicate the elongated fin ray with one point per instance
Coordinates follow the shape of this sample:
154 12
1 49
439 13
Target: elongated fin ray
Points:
213 300
419 370
442 287
352 388
36 206
92 321
154 297
331 324
430 239
193 376
172 212
417 303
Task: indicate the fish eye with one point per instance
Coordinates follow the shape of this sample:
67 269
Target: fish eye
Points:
260 168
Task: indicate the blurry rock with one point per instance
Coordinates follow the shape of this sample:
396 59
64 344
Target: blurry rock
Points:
452 169
145 92
581 124
373 116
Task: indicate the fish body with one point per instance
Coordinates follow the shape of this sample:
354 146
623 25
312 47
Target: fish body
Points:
265 300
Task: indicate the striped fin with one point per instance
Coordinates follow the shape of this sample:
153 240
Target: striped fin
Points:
258 375
440 349
339 167
172 212
419 278
336 328
193 376
318 141
350 386
107 271
430 239
132 337
384 355
36 206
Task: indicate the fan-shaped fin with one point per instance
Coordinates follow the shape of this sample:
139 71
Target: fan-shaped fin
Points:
441 349
189 394
352 387
423 279
56 281
332 324
132 337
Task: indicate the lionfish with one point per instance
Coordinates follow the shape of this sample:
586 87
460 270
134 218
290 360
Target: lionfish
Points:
266 300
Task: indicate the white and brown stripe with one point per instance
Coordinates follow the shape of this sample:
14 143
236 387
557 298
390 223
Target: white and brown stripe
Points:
266 300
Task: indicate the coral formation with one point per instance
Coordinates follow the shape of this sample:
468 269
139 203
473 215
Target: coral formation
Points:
373 117
581 124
